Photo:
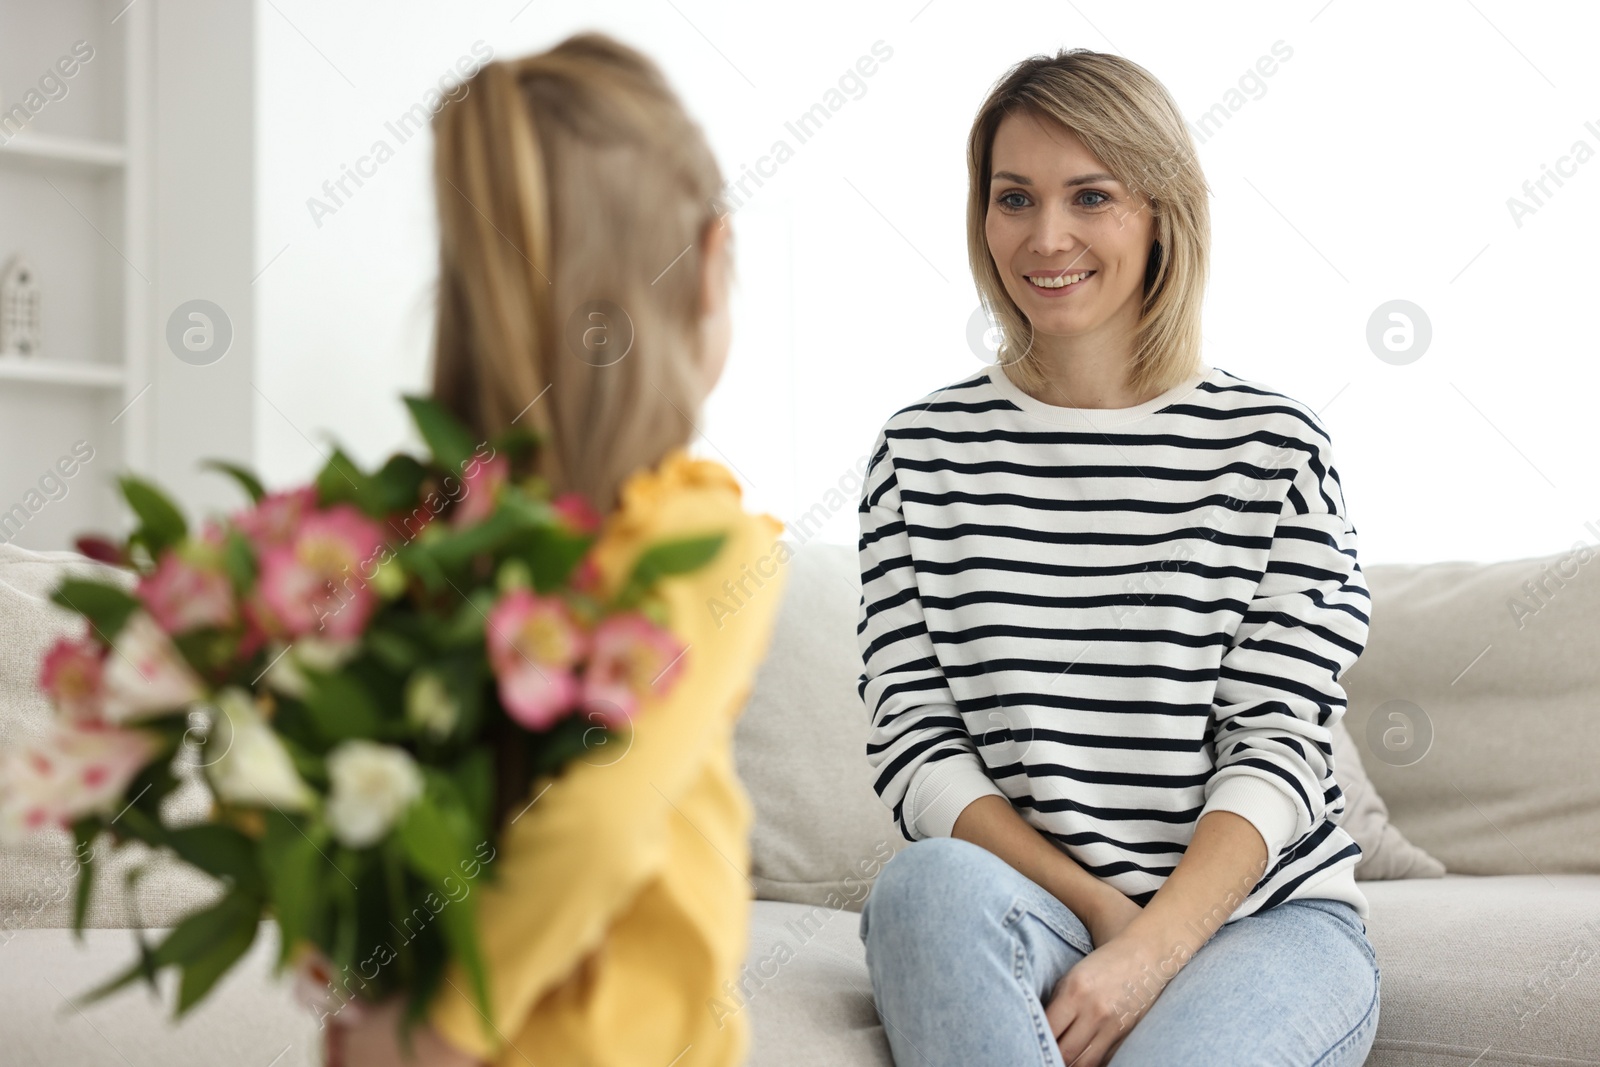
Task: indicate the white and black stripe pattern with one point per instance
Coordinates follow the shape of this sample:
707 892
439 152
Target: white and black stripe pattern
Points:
1117 619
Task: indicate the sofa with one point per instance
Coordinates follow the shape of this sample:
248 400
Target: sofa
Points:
1468 756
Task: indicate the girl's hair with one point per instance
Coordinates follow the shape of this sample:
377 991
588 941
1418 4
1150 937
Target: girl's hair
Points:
1131 124
573 191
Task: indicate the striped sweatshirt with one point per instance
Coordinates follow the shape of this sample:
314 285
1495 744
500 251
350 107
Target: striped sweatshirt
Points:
1118 620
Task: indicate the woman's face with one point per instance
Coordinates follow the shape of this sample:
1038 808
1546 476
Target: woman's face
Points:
1055 212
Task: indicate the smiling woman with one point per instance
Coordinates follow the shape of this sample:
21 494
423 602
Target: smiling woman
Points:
1108 592
1041 204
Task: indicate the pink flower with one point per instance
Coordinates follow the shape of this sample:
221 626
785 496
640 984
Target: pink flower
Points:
482 485
73 770
586 575
145 675
577 512
319 581
276 517
631 657
184 595
73 677
534 641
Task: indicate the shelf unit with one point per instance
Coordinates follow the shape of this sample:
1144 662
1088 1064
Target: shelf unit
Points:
62 372
44 151
77 195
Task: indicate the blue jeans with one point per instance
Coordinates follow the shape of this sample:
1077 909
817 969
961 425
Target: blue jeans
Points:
964 952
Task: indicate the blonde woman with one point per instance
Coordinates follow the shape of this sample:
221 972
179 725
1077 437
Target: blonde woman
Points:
583 292
1108 592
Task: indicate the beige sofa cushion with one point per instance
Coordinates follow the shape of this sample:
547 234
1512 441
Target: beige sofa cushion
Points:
39 878
1385 851
821 832
1477 709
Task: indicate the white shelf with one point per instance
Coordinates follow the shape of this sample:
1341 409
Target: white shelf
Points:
80 153
45 371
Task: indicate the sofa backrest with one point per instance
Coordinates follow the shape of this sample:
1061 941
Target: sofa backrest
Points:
821 834
1502 789
1477 709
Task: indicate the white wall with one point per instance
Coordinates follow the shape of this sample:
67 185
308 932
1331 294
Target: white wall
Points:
1375 163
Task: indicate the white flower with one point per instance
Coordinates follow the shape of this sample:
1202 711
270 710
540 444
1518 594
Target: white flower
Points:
429 706
372 785
245 760
144 674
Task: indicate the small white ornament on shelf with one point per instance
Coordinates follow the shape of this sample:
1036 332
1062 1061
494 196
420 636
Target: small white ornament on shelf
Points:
19 309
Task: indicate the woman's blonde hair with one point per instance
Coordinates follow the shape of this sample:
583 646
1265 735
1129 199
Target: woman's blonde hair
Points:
573 191
1129 121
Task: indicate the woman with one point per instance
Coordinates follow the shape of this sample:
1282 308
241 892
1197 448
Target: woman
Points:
1108 594
584 270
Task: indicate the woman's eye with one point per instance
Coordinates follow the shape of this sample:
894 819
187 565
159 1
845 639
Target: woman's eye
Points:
1104 199
1013 201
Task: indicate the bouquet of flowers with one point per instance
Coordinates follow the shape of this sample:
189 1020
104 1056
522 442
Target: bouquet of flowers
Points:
345 665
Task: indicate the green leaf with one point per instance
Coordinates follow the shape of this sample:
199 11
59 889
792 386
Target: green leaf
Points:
465 628
438 835
341 706
220 851
142 817
399 482
393 650
107 607
460 924
474 776
417 560
517 442
450 442
247 481
161 524
84 832
143 967
395 891
201 974
434 837
192 938
239 560
290 859
206 942
551 554
341 482
458 546
666 558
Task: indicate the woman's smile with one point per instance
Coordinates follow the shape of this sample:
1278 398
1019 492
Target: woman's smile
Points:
1055 283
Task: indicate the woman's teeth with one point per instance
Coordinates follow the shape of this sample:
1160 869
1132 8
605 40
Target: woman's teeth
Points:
1057 283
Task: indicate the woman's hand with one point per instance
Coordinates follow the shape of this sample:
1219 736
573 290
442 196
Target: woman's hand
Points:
1104 996
369 1037
1115 912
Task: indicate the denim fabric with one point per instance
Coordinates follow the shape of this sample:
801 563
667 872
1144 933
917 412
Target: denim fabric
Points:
964 953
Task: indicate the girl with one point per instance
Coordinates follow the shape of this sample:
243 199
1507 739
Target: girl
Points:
1108 594
583 291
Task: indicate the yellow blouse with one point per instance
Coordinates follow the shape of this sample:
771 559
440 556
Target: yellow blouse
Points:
622 899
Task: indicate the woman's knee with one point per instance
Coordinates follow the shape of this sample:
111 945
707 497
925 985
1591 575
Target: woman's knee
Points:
935 881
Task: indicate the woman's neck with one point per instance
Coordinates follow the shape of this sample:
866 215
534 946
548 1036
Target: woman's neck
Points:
1085 378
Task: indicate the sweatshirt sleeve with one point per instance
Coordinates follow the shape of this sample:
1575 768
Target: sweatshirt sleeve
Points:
928 768
1278 696
593 835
